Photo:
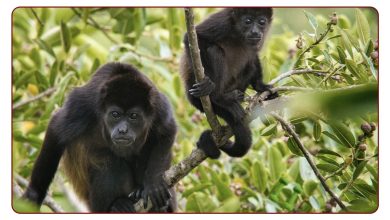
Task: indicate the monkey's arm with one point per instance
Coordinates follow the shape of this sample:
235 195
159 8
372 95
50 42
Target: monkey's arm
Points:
257 80
154 186
46 164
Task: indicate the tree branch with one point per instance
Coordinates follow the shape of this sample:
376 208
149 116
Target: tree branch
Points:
199 70
48 201
35 98
287 127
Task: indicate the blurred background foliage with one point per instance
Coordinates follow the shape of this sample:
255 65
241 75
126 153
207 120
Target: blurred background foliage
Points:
57 49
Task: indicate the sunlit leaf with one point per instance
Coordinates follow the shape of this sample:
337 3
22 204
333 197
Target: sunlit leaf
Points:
344 134
200 202
231 204
330 152
309 187
330 168
66 37
312 20
363 27
317 130
276 164
293 146
270 129
358 170
259 176
362 205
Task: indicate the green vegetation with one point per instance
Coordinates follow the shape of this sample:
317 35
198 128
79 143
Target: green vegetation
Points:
55 50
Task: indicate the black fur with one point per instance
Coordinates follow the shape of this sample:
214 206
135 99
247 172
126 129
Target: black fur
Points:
102 171
229 43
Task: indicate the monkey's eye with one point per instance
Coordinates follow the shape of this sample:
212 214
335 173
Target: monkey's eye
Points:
248 20
263 21
133 116
115 114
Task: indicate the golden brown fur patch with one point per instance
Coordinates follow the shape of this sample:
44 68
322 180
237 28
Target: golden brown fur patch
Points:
78 162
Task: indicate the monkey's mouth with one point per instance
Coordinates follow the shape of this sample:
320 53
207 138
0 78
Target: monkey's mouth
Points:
122 141
254 39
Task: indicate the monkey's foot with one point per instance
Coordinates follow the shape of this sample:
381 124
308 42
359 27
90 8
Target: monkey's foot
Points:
208 146
203 88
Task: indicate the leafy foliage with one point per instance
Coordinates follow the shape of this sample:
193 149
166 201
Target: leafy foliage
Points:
60 48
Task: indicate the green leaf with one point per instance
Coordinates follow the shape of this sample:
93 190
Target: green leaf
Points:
44 46
363 27
66 38
200 202
326 151
231 204
259 176
309 187
293 146
317 130
270 129
23 78
328 160
276 164
41 80
345 42
332 136
53 73
351 65
197 188
369 48
362 205
312 20
330 168
359 169
373 171
371 65
223 190
342 55
343 133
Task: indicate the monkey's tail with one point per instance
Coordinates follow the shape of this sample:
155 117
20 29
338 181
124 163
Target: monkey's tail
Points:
243 138
241 145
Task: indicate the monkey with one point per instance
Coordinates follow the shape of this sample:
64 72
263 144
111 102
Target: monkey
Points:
115 136
229 43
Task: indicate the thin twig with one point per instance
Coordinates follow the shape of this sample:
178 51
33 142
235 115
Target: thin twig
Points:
287 127
291 88
295 72
35 98
322 36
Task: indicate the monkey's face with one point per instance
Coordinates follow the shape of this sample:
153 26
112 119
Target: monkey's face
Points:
252 24
127 129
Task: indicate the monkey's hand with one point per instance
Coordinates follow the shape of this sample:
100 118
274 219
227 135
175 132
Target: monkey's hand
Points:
203 88
122 205
157 191
265 87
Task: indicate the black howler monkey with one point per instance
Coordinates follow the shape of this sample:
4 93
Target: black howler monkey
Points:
229 43
116 134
